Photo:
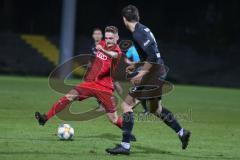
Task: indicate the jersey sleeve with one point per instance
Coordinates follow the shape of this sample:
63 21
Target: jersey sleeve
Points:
129 53
132 53
135 55
146 41
118 50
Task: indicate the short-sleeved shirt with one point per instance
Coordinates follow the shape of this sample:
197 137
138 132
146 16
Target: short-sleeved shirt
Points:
146 44
132 54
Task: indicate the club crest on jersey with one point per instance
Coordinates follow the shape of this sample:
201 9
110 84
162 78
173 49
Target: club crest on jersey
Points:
101 56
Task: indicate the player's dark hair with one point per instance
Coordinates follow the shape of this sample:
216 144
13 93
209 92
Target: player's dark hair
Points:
96 29
111 29
131 13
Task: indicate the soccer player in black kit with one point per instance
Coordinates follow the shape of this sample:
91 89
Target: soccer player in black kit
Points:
150 56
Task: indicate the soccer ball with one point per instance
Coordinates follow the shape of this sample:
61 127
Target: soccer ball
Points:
65 132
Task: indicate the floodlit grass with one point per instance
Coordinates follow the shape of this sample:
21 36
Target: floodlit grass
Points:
212 114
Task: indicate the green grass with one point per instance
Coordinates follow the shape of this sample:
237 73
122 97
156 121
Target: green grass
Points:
212 114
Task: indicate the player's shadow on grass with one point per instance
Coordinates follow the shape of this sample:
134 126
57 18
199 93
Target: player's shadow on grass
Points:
108 136
150 150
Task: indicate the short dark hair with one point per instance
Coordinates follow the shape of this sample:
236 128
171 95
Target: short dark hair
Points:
96 29
111 29
131 13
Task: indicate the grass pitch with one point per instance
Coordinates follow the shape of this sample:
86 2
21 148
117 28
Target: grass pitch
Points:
212 114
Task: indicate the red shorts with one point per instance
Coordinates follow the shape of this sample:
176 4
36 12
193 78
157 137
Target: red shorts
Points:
103 94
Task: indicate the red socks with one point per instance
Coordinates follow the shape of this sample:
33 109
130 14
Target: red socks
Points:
58 106
119 122
64 102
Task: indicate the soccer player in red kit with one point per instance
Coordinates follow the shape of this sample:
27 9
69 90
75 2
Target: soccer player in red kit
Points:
98 82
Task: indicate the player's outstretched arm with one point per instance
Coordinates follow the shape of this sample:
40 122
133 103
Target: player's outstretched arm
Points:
111 53
146 67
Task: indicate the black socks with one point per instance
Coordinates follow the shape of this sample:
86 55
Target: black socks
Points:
169 119
128 122
144 104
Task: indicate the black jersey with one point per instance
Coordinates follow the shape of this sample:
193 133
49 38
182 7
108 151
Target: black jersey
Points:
93 49
146 44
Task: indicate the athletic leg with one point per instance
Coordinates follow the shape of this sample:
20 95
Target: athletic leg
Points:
128 123
61 104
168 118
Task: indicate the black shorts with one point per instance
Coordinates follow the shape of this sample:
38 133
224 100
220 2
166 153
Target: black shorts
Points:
151 85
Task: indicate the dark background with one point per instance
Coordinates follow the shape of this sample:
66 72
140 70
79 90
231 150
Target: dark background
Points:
199 40
216 21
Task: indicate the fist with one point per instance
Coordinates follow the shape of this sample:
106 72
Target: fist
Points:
99 47
130 68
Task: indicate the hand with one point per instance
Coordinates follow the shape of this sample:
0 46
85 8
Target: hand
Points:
99 47
130 68
137 79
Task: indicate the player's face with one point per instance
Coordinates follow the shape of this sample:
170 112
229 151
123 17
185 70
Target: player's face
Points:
111 39
97 35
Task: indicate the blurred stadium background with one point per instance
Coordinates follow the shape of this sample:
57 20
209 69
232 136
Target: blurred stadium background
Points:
199 40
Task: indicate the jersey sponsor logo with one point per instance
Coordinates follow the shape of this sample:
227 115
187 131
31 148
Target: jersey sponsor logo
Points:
101 56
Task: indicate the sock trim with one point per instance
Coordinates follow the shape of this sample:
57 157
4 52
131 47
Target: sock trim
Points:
125 145
180 133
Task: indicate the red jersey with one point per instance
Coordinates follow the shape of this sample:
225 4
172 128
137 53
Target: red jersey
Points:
103 67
